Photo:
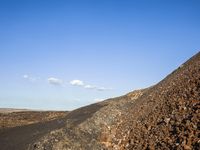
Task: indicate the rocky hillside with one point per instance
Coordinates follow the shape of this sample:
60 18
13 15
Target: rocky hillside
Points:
167 116
164 116
88 127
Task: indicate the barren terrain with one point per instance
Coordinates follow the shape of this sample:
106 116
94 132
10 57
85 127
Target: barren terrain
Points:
164 116
12 118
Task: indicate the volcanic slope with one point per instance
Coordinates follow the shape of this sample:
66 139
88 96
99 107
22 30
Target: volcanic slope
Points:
167 116
164 116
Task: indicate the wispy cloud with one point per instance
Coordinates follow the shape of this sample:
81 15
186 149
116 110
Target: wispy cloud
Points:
29 78
25 76
60 82
98 99
88 86
54 81
77 83
104 89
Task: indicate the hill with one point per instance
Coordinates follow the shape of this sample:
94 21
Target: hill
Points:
164 116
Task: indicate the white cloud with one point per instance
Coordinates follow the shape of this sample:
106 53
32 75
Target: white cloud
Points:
89 87
103 89
29 78
55 81
98 99
25 76
77 83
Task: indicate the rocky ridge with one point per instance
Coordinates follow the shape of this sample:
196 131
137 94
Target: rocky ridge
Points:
164 116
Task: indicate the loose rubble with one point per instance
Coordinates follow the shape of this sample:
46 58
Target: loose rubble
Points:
164 116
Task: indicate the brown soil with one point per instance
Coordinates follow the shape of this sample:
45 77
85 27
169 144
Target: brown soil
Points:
14 119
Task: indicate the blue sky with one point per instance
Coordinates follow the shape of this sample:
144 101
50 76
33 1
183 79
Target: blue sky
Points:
66 54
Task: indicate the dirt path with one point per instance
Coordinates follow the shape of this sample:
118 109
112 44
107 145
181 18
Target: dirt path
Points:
19 137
